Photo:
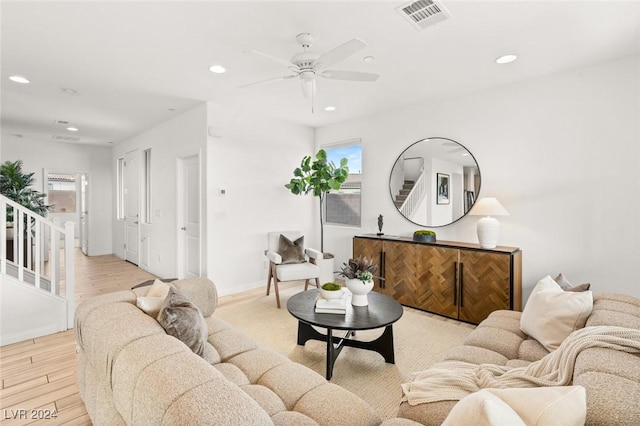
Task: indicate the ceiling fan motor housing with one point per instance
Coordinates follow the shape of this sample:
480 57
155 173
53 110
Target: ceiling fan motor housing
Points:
304 60
305 39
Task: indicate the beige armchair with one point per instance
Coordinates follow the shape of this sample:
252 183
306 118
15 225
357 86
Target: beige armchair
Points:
290 261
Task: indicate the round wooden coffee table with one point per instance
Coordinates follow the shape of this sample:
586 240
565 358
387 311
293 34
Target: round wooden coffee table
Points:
382 311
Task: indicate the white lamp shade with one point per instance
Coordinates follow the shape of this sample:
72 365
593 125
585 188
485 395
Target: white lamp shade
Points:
488 227
488 206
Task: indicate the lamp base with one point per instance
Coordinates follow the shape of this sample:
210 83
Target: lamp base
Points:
488 232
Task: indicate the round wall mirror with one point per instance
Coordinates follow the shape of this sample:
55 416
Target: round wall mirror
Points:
434 182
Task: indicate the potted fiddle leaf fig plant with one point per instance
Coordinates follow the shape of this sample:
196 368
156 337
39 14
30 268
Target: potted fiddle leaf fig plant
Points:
318 176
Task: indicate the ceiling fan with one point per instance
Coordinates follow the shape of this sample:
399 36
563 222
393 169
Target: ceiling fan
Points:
308 65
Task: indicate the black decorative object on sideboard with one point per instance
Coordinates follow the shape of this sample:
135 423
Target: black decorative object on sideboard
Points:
454 279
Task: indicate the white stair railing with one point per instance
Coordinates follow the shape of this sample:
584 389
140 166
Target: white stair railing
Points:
32 254
415 197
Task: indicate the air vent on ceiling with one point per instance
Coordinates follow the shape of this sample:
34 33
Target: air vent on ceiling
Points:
65 138
423 13
61 122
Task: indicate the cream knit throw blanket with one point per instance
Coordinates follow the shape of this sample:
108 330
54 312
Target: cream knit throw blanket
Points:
453 380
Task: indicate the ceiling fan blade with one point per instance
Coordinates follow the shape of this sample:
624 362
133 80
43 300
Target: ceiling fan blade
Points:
282 77
349 75
275 59
339 53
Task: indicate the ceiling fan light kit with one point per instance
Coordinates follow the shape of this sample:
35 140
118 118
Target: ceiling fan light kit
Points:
308 65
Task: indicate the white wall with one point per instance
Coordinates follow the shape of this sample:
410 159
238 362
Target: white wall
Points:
27 312
60 156
183 135
252 158
561 153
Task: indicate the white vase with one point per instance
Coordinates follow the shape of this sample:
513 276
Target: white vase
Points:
359 290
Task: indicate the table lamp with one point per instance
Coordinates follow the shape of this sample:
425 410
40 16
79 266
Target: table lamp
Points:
488 227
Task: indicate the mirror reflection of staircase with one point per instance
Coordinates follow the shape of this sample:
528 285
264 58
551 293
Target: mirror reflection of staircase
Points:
404 193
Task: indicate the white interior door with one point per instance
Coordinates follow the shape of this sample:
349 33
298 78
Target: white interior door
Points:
131 206
84 213
189 218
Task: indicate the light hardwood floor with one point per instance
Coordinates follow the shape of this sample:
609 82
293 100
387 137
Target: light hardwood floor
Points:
38 375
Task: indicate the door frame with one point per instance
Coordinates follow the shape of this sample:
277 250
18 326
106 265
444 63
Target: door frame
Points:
180 212
77 173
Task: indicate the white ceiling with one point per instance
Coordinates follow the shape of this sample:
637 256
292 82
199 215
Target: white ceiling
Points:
131 62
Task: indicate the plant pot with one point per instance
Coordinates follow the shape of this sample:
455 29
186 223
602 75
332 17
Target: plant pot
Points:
331 294
359 289
425 238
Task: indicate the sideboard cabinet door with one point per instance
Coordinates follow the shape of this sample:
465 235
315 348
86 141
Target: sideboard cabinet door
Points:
437 280
400 263
484 284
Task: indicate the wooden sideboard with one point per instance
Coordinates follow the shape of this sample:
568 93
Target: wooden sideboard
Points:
453 279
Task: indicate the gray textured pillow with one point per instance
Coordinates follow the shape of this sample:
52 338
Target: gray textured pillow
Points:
564 284
291 251
182 319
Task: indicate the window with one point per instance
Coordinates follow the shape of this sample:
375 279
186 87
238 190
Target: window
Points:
120 189
147 186
342 207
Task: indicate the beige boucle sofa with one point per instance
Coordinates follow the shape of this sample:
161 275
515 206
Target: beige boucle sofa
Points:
611 378
131 372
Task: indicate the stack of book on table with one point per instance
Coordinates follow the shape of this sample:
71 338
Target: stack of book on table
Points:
333 306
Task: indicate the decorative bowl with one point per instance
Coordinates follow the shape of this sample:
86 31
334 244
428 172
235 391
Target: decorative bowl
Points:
424 236
330 294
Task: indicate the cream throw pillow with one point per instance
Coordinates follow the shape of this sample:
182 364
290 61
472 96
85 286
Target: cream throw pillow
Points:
482 408
544 406
152 302
150 305
158 289
551 314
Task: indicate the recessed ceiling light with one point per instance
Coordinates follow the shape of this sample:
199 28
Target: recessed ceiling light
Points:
330 108
72 129
19 79
217 69
368 58
505 59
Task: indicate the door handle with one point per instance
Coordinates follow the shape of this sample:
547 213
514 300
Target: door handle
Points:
184 228
135 223
461 284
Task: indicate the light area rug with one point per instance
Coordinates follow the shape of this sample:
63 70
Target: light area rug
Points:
420 340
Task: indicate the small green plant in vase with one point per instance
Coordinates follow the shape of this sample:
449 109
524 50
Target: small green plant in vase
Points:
359 276
331 291
424 235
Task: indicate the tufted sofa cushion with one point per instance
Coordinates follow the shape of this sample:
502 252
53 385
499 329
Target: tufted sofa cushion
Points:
131 372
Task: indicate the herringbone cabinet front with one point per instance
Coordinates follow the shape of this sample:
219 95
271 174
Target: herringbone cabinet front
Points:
457 280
